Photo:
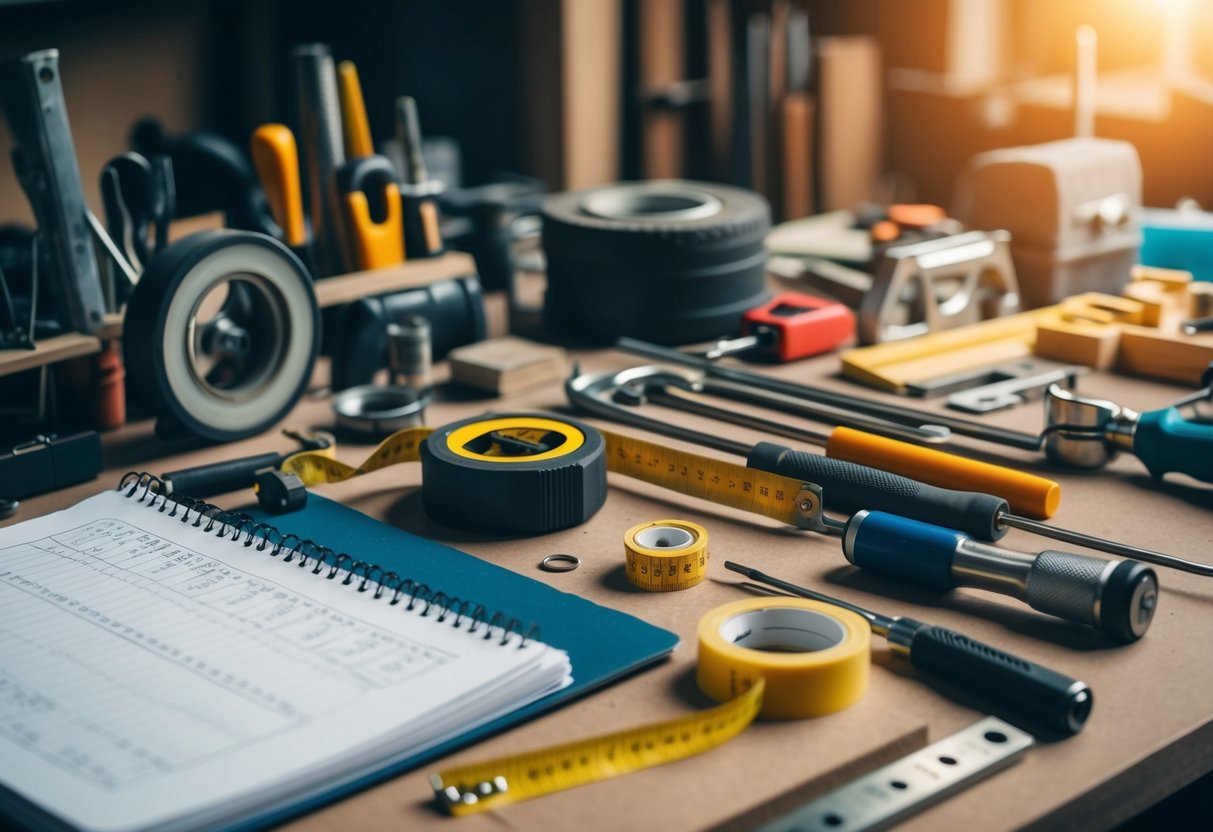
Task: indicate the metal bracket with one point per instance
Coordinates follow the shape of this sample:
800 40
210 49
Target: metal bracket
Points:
1036 375
882 798
809 503
939 284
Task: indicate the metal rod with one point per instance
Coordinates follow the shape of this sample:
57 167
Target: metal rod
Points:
111 248
1109 546
897 413
880 623
927 434
699 408
583 391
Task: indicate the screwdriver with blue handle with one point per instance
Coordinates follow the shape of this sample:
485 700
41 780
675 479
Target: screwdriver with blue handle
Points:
1045 696
1117 597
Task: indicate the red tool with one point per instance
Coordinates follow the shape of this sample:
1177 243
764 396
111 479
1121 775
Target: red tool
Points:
791 326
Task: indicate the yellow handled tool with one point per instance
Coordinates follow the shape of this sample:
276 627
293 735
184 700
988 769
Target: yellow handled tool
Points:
276 158
354 125
373 212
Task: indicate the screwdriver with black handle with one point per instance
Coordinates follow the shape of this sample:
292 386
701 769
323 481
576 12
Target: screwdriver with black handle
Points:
1048 698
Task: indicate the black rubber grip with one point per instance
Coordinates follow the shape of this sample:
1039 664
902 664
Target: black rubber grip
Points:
848 487
1044 696
220 477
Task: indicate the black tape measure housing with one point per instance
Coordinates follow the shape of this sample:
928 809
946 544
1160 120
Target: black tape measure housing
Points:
503 497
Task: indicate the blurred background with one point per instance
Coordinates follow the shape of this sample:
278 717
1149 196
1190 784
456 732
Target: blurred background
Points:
582 92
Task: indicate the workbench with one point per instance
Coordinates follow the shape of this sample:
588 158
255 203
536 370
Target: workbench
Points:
1150 733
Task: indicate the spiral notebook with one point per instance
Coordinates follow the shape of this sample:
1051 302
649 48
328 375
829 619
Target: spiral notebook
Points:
166 664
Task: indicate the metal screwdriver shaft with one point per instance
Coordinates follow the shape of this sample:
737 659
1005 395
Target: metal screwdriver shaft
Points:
1109 546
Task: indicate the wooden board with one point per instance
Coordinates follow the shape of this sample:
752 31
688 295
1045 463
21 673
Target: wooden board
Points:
48 351
412 274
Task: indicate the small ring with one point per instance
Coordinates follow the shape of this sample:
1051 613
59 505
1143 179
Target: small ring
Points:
560 563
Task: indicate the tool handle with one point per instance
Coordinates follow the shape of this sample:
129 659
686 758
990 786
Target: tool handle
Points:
220 477
1118 600
1047 697
1027 494
355 128
276 158
908 550
1165 441
848 487
1116 597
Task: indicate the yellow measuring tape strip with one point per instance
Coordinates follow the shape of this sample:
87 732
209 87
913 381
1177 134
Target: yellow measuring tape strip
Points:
821 667
666 555
485 441
313 467
725 483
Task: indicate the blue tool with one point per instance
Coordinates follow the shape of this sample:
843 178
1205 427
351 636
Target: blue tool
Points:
1117 597
1088 433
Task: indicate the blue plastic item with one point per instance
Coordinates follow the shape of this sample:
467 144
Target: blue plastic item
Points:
1165 441
1178 240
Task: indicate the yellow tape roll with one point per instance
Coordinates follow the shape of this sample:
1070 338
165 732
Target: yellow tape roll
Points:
813 657
666 555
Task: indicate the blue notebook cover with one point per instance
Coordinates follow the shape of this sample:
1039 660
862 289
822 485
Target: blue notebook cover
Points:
567 621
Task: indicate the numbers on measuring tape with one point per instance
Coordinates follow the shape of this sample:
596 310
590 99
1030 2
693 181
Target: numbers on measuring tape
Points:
722 482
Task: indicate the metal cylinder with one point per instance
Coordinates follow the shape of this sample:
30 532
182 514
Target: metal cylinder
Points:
410 353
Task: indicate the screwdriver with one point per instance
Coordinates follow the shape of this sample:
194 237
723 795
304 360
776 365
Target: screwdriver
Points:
1045 696
1116 597
849 487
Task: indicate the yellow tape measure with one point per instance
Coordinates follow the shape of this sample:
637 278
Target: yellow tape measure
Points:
666 555
533 474
821 667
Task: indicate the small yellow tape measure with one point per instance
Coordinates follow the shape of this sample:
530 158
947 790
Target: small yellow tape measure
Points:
533 474
822 666
666 555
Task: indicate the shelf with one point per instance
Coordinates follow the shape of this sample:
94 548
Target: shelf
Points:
331 291
412 274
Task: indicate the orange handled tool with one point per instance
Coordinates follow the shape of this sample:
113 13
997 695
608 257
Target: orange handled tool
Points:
374 216
276 158
354 125
1034 496
1027 493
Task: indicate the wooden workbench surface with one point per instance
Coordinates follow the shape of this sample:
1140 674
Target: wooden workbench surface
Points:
1151 731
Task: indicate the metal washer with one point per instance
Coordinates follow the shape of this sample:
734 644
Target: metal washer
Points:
560 563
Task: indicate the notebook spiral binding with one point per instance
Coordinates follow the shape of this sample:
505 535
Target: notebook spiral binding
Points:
368 576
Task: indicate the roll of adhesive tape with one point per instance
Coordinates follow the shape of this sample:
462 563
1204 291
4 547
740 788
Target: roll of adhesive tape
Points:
814 657
666 555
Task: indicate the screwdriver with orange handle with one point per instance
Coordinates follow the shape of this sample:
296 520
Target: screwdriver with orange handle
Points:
1032 495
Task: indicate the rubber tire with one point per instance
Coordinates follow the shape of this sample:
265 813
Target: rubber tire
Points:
670 282
157 294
